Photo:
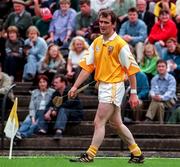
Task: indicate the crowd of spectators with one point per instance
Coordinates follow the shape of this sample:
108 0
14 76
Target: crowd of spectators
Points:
35 33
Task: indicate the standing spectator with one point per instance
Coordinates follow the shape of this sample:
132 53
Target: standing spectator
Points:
163 29
62 24
69 110
149 60
78 49
145 15
19 18
36 49
14 59
52 63
84 18
171 54
134 32
39 99
162 93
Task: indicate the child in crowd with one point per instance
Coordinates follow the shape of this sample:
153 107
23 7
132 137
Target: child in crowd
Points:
13 63
78 48
52 63
149 60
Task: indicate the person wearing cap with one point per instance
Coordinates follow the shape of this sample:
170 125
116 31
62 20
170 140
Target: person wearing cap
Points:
163 29
19 18
170 52
62 24
44 18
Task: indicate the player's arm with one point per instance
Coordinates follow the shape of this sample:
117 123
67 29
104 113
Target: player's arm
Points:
81 78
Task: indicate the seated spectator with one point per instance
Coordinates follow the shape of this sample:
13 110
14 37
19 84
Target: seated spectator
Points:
14 59
5 8
52 63
5 83
134 32
61 113
145 15
35 50
39 99
142 93
78 48
175 116
177 18
165 5
171 54
97 5
162 93
62 24
149 60
44 17
163 29
85 18
19 18
120 8
2 46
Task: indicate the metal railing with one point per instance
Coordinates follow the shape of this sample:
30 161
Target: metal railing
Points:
3 114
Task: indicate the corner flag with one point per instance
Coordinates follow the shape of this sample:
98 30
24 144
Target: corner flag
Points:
12 124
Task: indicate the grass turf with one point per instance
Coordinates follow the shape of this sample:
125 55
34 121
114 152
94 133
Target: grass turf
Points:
99 162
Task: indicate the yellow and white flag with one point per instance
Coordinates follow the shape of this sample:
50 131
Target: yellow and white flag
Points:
12 124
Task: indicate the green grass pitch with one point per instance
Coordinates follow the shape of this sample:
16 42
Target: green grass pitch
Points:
60 161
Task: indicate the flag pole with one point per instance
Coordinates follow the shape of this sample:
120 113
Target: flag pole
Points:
11 144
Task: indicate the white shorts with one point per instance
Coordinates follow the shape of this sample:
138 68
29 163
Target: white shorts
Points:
111 93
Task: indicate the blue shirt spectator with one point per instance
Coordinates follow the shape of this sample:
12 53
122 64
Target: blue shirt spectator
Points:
163 86
62 24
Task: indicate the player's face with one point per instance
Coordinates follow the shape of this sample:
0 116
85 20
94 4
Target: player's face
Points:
162 68
106 26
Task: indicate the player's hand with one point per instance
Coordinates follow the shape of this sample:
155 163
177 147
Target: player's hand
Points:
72 93
133 100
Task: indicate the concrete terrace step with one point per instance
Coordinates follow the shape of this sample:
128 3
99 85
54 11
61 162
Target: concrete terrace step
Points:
90 101
79 143
89 114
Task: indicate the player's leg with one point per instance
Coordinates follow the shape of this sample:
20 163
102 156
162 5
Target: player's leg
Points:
103 114
126 136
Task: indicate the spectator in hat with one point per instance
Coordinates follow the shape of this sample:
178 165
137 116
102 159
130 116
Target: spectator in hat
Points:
19 18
